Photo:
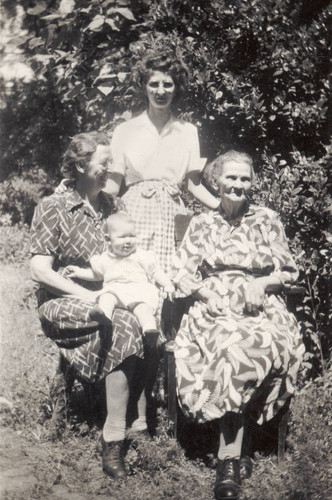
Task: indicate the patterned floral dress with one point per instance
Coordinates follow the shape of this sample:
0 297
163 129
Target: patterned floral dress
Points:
67 229
224 363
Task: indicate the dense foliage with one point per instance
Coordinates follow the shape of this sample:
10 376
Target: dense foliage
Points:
259 82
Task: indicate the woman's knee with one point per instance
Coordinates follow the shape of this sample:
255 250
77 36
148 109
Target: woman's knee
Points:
117 383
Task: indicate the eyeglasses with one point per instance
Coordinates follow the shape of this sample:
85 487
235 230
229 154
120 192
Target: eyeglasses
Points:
105 164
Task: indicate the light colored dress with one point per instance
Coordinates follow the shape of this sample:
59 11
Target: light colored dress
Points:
226 362
154 166
129 279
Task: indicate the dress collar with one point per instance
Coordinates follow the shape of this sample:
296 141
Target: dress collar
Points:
172 123
74 201
246 212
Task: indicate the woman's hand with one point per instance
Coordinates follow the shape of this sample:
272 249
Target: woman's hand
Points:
214 304
254 295
62 187
169 291
188 286
42 272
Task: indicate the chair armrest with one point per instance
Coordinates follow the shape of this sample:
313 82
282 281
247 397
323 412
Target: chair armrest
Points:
295 290
172 313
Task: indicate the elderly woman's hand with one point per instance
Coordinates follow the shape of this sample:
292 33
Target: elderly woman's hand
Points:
254 295
215 305
188 285
214 302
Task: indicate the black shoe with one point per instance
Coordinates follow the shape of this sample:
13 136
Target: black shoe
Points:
245 467
112 455
150 340
227 484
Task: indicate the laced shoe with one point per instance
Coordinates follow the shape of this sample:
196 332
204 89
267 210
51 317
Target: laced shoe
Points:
112 457
227 484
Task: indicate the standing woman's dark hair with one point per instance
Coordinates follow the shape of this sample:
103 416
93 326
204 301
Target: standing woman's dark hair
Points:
166 62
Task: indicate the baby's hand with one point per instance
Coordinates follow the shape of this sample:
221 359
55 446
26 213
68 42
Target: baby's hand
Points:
169 291
72 272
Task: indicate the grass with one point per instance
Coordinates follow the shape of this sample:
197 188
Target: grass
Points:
35 467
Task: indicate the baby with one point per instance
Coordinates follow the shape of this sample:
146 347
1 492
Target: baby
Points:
127 273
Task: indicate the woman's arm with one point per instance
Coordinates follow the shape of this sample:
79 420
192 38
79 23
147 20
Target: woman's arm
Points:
42 272
285 271
81 273
254 294
199 191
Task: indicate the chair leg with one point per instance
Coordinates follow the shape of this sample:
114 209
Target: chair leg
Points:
171 388
282 432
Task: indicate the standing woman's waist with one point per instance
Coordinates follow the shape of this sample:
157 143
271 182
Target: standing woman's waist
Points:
150 188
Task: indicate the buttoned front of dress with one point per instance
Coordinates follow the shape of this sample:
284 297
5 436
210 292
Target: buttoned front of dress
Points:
67 228
141 153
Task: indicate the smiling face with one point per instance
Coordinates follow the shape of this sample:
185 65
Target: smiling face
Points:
98 168
122 236
160 89
234 184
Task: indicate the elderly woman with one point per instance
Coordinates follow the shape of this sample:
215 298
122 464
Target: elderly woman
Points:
154 153
238 348
67 229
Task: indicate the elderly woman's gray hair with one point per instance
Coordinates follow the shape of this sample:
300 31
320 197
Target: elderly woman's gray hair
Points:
80 150
213 170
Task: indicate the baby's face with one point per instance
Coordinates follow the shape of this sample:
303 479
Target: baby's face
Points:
123 239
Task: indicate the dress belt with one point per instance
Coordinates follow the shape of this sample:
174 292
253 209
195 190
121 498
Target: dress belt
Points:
209 271
151 188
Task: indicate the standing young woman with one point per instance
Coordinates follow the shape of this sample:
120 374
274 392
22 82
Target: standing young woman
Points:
154 153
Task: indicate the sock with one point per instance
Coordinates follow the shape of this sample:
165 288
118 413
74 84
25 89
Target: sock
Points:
114 429
139 424
231 450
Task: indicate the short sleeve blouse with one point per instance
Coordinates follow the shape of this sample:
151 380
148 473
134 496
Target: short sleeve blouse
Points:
256 242
141 153
66 228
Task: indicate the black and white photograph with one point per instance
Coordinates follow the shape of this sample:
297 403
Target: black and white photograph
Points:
165 250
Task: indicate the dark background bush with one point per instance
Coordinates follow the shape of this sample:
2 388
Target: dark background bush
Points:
259 83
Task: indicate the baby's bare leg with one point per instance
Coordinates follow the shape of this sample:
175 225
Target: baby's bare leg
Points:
107 303
103 311
145 316
148 322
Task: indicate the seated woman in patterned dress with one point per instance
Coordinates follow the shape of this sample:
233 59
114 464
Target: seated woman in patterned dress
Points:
67 229
238 347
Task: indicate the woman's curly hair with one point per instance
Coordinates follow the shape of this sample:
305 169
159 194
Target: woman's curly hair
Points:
213 170
79 152
165 62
